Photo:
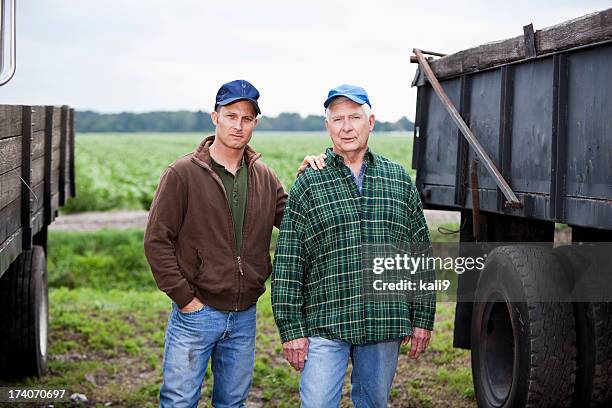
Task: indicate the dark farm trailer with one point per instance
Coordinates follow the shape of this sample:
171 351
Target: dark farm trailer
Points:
36 178
517 135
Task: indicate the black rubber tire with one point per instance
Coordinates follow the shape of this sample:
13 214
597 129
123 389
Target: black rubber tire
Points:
594 375
523 350
587 267
24 316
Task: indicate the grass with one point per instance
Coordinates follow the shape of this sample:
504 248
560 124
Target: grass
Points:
107 322
121 171
107 318
99 260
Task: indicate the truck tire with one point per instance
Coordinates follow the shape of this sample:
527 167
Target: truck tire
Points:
24 316
588 265
594 375
523 349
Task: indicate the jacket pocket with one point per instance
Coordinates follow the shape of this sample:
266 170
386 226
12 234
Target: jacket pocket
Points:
262 267
210 274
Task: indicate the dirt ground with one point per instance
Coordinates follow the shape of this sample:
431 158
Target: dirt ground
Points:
92 221
95 220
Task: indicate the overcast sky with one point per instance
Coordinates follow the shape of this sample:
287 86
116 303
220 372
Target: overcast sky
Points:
143 55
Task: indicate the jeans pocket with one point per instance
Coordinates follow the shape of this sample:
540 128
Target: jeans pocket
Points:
193 312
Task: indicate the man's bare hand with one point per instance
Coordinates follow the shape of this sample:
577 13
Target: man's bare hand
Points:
316 162
296 352
420 340
192 306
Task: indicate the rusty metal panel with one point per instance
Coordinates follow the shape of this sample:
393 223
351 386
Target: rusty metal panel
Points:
589 124
484 120
532 112
440 156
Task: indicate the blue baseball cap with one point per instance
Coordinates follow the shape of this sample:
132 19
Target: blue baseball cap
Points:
355 93
236 91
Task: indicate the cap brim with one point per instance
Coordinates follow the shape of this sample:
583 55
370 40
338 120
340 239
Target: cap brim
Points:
351 97
240 98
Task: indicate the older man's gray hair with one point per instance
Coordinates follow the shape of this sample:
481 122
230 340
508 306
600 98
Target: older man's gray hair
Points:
367 111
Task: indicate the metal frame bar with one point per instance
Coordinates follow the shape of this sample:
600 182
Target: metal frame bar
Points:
71 147
463 149
505 128
63 140
421 146
26 177
558 172
416 131
48 216
513 201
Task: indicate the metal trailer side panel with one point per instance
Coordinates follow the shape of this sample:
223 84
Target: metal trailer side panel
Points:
546 123
589 124
440 147
484 120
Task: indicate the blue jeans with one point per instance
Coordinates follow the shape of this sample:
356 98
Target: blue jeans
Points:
374 366
191 340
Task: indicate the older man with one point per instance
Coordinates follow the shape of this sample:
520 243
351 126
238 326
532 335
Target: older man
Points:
318 298
207 241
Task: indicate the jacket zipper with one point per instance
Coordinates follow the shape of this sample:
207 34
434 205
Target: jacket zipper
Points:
244 229
240 265
229 212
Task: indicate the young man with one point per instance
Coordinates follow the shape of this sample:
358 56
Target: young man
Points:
318 298
207 241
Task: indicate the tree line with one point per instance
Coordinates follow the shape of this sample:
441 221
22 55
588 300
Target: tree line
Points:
188 121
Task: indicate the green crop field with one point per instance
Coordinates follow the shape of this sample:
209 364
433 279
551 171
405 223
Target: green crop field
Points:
119 170
107 322
107 318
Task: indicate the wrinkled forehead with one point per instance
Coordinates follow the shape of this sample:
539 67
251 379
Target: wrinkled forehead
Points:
344 106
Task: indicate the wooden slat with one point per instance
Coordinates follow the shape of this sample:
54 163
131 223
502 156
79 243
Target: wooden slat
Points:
10 150
10 219
38 118
10 121
55 159
57 111
55 181
56 137
595 27
10 186
38 144
37 221
10 250
37 202
480 57
38 170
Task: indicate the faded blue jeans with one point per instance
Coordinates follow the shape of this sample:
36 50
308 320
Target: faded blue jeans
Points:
194 338
374 366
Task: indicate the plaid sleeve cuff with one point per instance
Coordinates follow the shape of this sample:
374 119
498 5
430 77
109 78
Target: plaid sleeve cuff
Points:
423 316
294 331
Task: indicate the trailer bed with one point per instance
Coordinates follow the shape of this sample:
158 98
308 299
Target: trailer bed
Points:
543 116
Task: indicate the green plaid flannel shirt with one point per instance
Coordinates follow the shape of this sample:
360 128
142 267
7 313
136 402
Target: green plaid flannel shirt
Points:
317 274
